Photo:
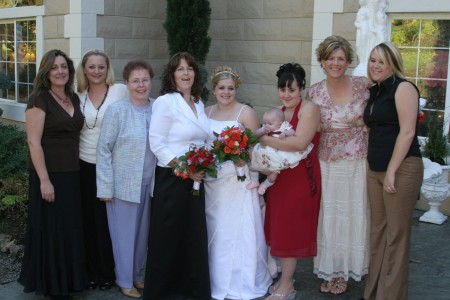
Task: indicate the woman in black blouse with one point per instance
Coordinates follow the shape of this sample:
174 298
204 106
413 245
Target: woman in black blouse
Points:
395 172
53 263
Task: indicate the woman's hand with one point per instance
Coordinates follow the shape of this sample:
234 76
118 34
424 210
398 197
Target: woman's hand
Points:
174 162
389 182
197 176
263 140
106 199
47 191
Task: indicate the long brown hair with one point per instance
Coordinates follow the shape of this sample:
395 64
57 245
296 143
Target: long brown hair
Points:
42 84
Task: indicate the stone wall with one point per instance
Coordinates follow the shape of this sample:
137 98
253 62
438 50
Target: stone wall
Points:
256 37
133 30
54 24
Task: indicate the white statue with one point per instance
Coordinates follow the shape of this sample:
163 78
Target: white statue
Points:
371 24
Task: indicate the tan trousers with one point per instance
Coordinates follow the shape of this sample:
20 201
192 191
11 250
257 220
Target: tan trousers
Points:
390 230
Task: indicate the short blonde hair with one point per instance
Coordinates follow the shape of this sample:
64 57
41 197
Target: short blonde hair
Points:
82 81
332 43
224 72
392 58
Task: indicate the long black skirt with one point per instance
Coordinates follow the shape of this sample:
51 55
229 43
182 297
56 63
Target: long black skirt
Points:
177 262
53 262
99 256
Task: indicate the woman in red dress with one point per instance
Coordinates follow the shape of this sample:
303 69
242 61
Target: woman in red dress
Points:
293 201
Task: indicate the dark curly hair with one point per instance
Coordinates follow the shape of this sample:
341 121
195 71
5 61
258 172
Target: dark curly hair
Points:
289 73
168 84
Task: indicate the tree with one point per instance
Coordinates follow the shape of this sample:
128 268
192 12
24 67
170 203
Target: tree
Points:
187 25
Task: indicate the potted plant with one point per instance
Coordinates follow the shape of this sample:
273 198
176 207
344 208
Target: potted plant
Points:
436 148
436 189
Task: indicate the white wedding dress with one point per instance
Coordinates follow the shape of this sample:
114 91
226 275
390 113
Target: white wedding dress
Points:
236 243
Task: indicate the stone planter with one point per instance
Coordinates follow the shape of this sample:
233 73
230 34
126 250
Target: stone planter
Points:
435 189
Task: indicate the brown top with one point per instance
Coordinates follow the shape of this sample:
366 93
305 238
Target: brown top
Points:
61 134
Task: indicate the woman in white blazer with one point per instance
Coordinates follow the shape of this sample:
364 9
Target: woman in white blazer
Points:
177 263
125 170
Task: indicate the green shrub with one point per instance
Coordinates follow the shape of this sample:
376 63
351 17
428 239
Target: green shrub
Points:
437 148
13 151
13 172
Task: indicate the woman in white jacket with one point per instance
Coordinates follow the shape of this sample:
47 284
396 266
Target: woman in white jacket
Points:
177 263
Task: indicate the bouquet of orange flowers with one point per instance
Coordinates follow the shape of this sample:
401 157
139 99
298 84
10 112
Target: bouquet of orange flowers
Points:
233 143
196 160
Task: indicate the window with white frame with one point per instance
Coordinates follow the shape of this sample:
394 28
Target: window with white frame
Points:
17 59
424 44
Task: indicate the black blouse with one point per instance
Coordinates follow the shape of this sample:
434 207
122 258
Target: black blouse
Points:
61 135
381 117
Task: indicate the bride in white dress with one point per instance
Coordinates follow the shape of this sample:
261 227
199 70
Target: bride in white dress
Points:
236 244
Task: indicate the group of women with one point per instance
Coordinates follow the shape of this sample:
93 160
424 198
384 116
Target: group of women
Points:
130 213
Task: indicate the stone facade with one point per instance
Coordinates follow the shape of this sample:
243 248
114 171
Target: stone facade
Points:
253 36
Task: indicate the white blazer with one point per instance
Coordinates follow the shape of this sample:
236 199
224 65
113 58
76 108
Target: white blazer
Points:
174 127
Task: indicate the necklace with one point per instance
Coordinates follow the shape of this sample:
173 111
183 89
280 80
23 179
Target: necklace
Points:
64 99
98 109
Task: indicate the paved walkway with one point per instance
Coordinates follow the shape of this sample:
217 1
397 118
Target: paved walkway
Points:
429 275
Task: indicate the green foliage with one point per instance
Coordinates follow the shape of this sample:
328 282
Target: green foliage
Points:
14 195
427 60
13 151
13 205
437 148
5 82
187 25
13 171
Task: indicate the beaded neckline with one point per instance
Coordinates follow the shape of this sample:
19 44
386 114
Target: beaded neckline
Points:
98 109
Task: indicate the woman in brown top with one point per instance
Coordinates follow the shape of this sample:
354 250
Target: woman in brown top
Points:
53 263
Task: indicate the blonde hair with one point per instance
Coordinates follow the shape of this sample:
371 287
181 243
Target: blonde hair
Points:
390 55
332 43
224 72
82 81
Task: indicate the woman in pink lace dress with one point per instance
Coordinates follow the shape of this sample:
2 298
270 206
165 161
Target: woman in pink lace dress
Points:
343 230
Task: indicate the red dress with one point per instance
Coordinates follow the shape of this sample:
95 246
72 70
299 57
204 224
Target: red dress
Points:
293 203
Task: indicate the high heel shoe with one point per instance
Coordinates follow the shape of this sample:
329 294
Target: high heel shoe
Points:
139 285
132 293
290 296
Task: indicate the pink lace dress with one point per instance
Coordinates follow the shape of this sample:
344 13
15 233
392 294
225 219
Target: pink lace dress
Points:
343 229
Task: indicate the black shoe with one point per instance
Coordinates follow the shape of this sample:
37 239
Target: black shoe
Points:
106 286
92 285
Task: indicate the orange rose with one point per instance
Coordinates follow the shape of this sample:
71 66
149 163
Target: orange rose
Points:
227 149
230 143
235 151
236 136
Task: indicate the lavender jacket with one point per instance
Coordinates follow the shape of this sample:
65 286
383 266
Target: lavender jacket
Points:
121 151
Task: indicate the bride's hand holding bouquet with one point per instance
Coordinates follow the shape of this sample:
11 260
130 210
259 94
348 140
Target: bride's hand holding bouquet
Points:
234 143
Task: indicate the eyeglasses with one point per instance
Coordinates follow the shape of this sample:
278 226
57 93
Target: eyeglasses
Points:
136 82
